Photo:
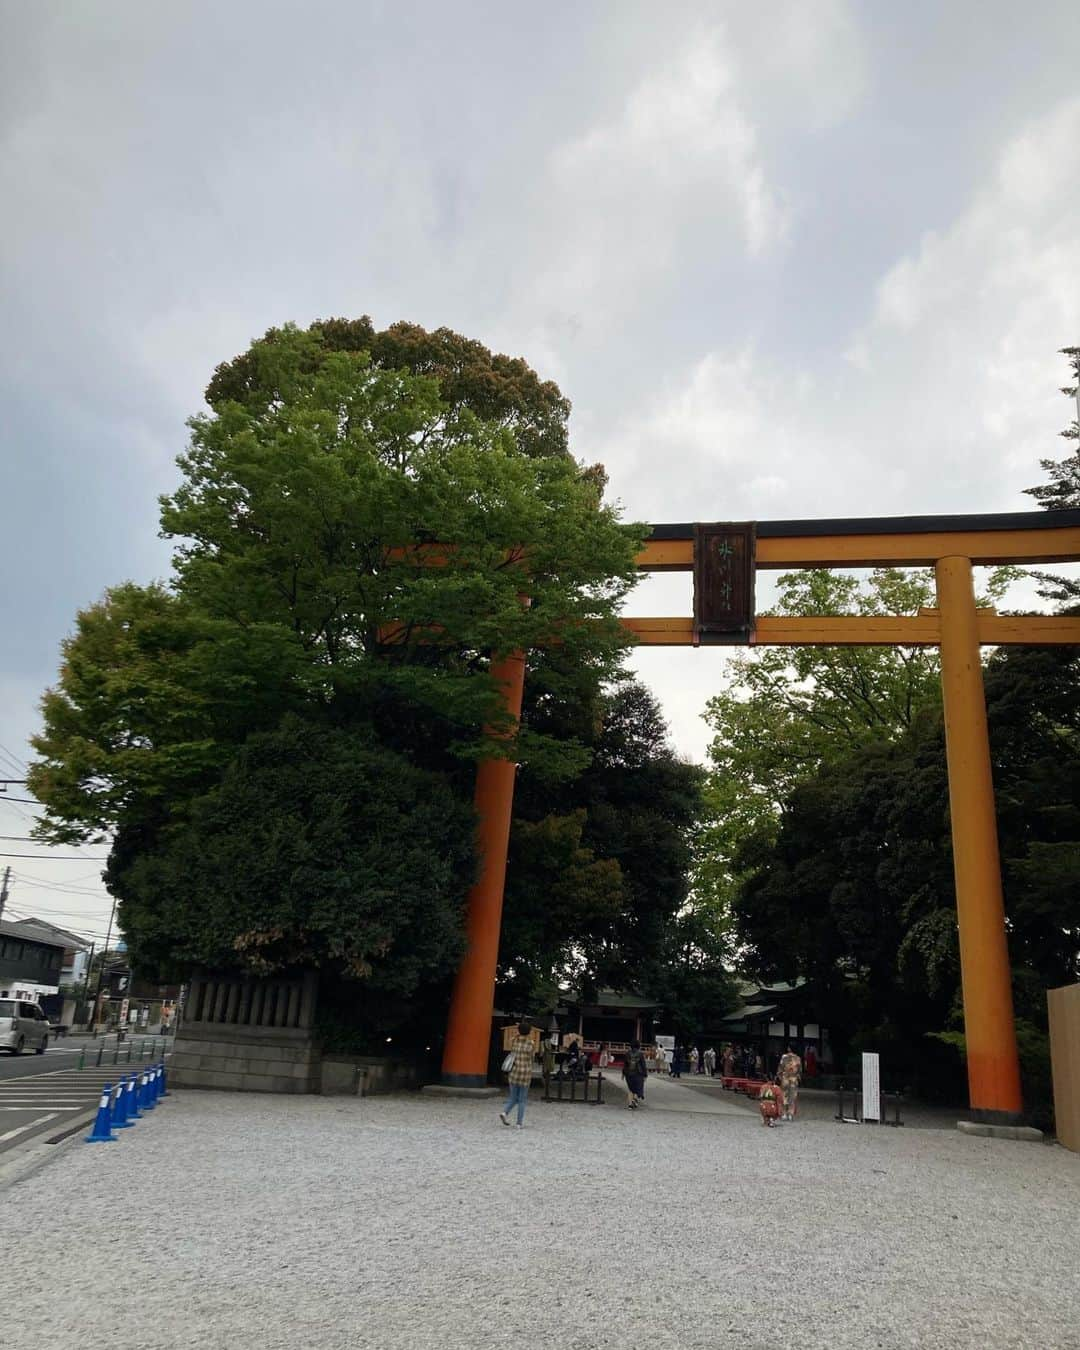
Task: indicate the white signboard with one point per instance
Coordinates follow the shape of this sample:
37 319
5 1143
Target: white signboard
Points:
871 1087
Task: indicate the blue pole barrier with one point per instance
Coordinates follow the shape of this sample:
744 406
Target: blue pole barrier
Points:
155 1081
165 1080
134 1111
148 1102
101 1133
120 1109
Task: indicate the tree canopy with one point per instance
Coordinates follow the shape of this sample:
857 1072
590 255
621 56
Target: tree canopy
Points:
352 549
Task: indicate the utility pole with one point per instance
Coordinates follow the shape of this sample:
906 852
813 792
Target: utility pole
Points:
4 890
101 967
86 981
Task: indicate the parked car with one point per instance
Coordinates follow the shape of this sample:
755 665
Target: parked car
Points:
22 1025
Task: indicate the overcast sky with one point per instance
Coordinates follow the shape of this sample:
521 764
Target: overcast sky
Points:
813 260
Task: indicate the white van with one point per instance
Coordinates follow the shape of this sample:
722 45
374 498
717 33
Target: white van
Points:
22 1025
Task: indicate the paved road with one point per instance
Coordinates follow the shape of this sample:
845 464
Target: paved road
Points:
46 1094
67 1053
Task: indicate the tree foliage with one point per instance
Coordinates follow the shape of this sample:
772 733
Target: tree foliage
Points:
599 869
311 581
502 391
1063 489
316 847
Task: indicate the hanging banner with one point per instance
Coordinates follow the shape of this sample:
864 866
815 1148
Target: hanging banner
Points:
871 1086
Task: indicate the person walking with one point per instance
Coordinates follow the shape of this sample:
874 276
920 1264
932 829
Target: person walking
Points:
605 1056
729 1060
790 1072
521 1070
677 1062
710 1062
693 1059
635 1071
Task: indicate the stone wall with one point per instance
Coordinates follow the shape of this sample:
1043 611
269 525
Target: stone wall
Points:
248 1035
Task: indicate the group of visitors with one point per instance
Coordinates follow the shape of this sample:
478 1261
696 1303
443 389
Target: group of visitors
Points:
691 1060
777 1099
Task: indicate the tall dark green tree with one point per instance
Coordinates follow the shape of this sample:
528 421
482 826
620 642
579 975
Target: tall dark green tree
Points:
600 869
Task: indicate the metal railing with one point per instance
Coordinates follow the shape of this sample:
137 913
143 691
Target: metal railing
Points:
574 1087
135 1050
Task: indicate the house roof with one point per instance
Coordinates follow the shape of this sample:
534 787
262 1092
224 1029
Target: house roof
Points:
748 1010
29 932
49 932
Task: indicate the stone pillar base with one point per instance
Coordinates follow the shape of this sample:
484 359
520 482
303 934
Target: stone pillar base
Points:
1026 1132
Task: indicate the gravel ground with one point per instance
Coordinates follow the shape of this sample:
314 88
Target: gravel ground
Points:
259 1223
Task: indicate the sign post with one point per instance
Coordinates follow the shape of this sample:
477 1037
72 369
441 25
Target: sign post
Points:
871 1087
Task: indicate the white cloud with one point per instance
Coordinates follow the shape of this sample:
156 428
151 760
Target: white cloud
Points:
948 396
621 199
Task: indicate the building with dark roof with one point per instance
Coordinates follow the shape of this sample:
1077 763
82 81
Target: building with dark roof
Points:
31 961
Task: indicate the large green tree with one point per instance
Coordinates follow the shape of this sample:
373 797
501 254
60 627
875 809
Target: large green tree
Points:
311 580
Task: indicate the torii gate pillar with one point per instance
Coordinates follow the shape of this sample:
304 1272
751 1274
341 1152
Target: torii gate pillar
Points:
992 1061
468 1030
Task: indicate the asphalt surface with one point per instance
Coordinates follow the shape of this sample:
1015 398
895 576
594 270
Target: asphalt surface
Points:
42 1096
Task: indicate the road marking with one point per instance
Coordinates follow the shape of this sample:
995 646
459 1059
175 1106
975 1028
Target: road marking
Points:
41 1120
56 1105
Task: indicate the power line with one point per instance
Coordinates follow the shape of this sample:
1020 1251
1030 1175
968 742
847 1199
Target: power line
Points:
65 857
13 759
39 885
75 884
24 839
27 801
88 920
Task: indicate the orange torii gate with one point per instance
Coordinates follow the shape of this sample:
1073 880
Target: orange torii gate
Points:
724 559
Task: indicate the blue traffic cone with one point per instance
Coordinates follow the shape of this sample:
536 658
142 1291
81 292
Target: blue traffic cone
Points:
101 1133
148 1099
134 1111
120 1107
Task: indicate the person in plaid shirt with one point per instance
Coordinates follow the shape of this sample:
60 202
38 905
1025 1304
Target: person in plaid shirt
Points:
521 1072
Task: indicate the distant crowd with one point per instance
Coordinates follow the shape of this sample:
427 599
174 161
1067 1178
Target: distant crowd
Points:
779 1079
732 1061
